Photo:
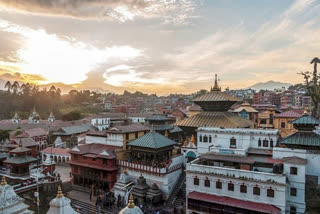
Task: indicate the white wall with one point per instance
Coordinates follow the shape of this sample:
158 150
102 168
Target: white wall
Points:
111 139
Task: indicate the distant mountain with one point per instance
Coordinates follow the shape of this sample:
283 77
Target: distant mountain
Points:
270 85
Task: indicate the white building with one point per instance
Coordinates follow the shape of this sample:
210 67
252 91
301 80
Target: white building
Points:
239 170
101 123
139 117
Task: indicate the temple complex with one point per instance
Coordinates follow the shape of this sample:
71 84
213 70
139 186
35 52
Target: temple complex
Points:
215 105
10 202
19 162
61 204
153 159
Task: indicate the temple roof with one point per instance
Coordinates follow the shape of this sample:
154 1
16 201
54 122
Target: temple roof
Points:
306 120
215 96
302 138
20 159
215 119
289 114
245 107
152 140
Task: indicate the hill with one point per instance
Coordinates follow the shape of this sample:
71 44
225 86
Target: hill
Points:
270 85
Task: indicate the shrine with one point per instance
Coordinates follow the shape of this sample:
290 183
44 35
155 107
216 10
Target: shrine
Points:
139 190
20 161
61 204
122 187
154 194
131 208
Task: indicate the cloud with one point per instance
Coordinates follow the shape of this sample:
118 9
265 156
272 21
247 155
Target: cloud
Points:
172 11
60 59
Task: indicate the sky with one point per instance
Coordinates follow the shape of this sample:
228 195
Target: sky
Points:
157 46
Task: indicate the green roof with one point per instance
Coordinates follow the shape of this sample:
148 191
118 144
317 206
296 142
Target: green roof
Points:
302 138
20 160
157 117
152 140
306 119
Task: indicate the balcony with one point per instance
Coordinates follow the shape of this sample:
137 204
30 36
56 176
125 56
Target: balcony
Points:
236 173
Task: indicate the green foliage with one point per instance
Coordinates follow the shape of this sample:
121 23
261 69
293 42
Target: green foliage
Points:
74 115
4 134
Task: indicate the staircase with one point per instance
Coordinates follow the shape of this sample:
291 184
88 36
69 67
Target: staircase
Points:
178 195
86 208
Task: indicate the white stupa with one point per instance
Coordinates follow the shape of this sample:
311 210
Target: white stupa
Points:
16 118
131 208
10 202
34 117
51 118
61 204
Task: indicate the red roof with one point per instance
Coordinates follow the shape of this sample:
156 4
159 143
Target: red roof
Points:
56 151
290 114
90 165
36 132
95 149
223 200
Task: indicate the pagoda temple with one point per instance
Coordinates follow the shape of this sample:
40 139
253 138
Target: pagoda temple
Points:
307 137
61 204
215 105
10 202
20 161
154 194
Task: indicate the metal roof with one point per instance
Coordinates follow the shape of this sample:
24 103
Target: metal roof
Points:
152 140
302 138
157 117
19 159
215 96
306 119
215 119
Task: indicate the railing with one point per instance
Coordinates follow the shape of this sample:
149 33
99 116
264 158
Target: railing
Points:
237 173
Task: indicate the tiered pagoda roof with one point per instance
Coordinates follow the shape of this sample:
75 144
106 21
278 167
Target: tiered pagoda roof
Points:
141 187
306 136
215 105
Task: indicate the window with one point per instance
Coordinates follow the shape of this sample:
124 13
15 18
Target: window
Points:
207 183
293 191
210 139
218 185
293 210
200 138
271 119
233 143
270 193
283 125
265 143
263 121
196 181
256 190
205 139
104 162
293 170
75 169
243 188
136 135
94 159
127 136
230 186
75 157
271 143
259 142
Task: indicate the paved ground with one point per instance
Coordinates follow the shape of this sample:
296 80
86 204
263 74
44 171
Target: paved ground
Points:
64 171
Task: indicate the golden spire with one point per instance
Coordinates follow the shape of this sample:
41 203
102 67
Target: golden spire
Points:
3 181
305 112
166 133
193 140
131 202
60 194
216 87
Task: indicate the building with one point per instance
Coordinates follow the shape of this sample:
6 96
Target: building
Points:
282 121
93 164
66 133
193 110
39 135
265 118
61 204
122 187
151 156
59 155
160 123
139 117
246 111
19 163
215 105
104 121
10 202
238 171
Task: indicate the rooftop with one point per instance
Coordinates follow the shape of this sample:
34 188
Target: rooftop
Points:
157 117
227 157
289 114
306 120
95 149
56 151
134 127
302 138
152 140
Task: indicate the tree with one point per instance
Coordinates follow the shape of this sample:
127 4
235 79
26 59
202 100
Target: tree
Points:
15 87
8 86
312 86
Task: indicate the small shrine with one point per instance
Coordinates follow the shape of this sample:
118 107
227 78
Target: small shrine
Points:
49 166
61 204
51 118
140 190
10 202
122 186
154 194
131 208
20 161
16 118
34 117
